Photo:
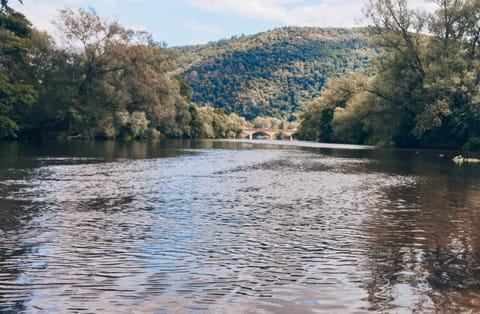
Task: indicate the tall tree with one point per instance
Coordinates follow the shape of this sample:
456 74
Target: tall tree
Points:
15 92
429 80
121 71
397 31
426 82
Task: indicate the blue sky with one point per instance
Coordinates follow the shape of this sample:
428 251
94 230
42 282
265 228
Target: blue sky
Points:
184 22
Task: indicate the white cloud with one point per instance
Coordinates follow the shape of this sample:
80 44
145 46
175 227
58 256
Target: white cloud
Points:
202 28
334 13
40 14
269 9
289 12
322 13
328 14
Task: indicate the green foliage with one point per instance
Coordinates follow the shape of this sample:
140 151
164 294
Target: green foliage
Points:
130 125
318 123
427 81
423 90
473 144
16 95
276 73
113 82
108 82
214 123
8 127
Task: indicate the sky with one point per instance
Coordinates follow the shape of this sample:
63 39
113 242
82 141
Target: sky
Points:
187 22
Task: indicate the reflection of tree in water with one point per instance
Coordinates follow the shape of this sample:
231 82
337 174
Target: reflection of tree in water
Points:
424 253
454 278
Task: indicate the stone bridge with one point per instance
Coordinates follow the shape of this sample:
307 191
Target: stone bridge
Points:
269 132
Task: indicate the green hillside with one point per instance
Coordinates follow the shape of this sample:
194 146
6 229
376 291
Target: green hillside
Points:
275 73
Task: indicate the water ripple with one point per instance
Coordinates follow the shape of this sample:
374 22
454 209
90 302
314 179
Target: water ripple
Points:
220 231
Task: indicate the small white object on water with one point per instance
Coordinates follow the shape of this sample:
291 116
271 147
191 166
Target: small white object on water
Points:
460 160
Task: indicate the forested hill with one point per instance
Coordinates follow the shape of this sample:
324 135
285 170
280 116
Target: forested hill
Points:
275 73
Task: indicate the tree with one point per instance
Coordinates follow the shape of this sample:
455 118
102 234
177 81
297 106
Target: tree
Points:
105 82
121 70
317 121
428 81
423 90
214 123
272 74
15 93
401 68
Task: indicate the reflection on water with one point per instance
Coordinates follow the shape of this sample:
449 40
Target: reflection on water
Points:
220 226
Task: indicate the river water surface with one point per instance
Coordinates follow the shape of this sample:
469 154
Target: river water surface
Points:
236 227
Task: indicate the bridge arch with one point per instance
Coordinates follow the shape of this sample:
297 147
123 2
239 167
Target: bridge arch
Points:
261 132
269 132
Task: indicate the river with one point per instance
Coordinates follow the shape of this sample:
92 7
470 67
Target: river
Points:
236 227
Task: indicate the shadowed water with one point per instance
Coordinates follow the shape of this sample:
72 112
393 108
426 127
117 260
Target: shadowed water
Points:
236 227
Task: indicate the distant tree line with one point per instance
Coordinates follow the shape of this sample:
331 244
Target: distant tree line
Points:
105 81
421 91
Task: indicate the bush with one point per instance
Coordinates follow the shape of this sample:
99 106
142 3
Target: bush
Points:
473 144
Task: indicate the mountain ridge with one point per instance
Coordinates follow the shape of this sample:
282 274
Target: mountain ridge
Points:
274 73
